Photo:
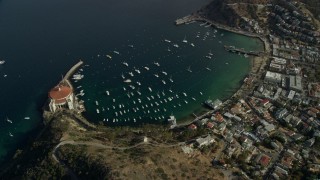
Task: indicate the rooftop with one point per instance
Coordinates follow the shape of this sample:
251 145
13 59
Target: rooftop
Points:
60 93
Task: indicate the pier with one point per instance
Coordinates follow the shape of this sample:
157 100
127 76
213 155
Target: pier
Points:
207 22
72 70
187 19
242 51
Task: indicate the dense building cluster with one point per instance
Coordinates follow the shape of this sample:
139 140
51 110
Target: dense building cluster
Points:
273 131
291 22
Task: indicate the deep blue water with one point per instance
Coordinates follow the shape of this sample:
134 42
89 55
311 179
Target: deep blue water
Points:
41 39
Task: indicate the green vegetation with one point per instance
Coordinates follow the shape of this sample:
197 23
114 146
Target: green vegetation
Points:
85 166
36 161
314 7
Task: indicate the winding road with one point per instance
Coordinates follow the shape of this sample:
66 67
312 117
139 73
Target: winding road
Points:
99 145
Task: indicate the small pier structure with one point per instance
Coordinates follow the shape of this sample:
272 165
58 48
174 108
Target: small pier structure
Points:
72 70
187 19
242 51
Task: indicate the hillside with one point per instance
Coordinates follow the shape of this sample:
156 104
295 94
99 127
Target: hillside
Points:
67 148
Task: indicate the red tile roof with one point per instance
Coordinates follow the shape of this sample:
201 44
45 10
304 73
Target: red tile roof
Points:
192 126
210 125
264 160
60 93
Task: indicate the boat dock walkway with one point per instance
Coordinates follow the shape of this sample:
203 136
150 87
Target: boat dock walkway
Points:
242 51
197 17
72 70
187 19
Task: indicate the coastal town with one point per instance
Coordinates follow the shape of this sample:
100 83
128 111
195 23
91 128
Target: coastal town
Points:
270 128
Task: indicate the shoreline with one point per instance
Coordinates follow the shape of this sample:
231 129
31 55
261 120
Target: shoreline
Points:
256 62
254 68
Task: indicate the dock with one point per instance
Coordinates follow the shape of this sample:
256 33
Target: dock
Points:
72 70
187 19
242 51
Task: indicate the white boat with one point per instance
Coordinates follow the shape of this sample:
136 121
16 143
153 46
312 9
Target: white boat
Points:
166 40
156 75
139 83
97 103
107 92
10 134
176 45
192 44
108 56
209 57
203 24
122 76
165 73
77 76
168 49
150 89
97 110
201 93
26 117
193 98
131 74
146 68
2 62
189 69
127 81
208 69
164 82
185 94
184 40
124 88
130 45
137 70
8 120
156 63
116 52
171 80
210 53
124 63
132 87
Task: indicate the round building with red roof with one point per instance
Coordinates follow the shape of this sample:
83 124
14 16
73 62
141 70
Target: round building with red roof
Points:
60 96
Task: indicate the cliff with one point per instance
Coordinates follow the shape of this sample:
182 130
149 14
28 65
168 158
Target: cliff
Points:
232 13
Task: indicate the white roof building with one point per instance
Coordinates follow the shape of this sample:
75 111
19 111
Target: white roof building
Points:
273 77
296 83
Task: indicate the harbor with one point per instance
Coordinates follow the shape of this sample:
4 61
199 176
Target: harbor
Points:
208 23
149 92
201 53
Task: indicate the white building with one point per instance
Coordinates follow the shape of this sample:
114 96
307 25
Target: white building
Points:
61 96
273 77
296 83
205 141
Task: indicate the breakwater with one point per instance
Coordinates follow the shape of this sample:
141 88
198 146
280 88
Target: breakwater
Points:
195 17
